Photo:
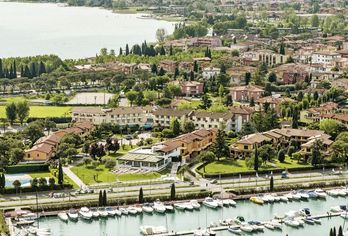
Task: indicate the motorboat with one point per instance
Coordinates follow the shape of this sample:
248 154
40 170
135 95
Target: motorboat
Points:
169 208
139 209
102 212
256 225
204 232
305 212
226 222
276 197
132 210
209 202
296 196
309 221
147 209
180 206
304 195
95 213
332 193
73 214
85 213
159 207
321 193
29 216
118 212
257 200
110 211
188 206
316 220
341 192
235 230
43 231
63 216
153 230
239 220
269 226
284 198
246 228
264 198
276 224
292 223
300 221
289 196
339 208
219 202
312 194
344 215
278 216
195 204
270 198
124 211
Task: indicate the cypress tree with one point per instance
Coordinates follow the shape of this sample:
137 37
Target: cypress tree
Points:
162 51
340 231
334 231
121 52
22 71
141 195
161 72
256 160
105 201
331 232
206 54
60 174
27 72
271 184
172 192
100 198
11 72
192 76
42 68
1 69
176 72
127 50
195 66
171 50
33 71
14 70
154 68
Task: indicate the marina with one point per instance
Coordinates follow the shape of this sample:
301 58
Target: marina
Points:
293 217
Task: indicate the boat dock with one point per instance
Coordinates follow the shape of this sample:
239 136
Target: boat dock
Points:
221 228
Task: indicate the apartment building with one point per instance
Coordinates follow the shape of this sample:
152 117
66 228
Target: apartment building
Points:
245 93
314 114
122 115
325 57
190 88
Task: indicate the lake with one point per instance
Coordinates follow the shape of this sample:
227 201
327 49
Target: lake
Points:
129 225
29 29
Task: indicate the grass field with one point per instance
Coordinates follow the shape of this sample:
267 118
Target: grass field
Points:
239 166
43 111
135 177
48 174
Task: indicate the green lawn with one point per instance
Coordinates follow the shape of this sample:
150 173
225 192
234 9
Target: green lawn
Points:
48 174
93 176
43 111
239 166
134 177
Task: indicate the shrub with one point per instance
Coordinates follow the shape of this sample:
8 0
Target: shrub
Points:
110 163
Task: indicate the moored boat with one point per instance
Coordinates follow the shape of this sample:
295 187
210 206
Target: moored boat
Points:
209 202
147 209
110 211
73 214
63 216
235 230
257 200
195 204
153 230
85 213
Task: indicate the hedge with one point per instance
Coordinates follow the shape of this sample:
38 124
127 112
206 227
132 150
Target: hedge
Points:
40 189
27 168
58 120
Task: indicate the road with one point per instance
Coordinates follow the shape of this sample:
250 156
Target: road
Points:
73 177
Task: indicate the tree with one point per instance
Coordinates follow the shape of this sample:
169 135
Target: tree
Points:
332 127
160 35
100 198
22 109
220 147
2 182
281 155
51 182
172 192
247 78
295 118
271 184
131 96
206 102
105 200
282 49
188 127
175 126
252 102
314 20
60 174
127 50
256 160
11 112
272 77
33 132
17 185
206 157
141 195
195 66
316 152
340 231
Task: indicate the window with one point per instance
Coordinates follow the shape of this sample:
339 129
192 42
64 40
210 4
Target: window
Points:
246 147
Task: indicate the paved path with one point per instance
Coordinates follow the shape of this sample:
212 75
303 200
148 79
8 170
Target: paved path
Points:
73 177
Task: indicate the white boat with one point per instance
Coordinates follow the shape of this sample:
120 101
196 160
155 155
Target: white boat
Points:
188 206
320 193
229 202
265 198
316 220
132 210
341 192
110 211
139 209
247 228
235 230
85 213
159 207
289 196
270 198
29 216
304 195
296 196
332 193
344 215
276 224
73 214
219 202
204 232
102 212
283 198
209 202
43 232
63 216
179 206
195 204
292 223
276 197
269 226
153 230
95 213
124 211
147 209
340 208
118 212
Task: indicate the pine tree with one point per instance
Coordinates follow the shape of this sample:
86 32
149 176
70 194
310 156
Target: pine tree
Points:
60 174
105 201
195 66
247 78
171 50
154 68
162 51
100 198
141 195
176 72
22 71
42 68
271 184
220 148
192 76
11 72
161 72
172 192
14 69
27 72
127 50
256 160
33 71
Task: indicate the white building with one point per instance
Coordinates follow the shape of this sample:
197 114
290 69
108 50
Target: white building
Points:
210 72
325 57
